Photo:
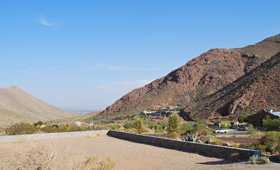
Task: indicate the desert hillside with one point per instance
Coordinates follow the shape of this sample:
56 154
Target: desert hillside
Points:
9 118
258 89
200 77
16 100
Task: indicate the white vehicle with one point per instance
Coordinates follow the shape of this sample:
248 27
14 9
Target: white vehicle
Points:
221 131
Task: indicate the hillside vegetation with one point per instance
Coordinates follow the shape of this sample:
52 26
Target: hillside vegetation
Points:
9 118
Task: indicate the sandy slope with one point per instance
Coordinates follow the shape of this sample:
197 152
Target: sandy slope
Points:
20 102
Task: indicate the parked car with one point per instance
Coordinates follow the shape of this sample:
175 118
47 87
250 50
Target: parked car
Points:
222 130
242 128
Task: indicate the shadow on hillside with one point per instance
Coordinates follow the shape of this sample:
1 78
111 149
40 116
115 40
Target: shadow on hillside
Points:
221 162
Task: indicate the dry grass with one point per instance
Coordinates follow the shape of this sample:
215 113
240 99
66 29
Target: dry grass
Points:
46 157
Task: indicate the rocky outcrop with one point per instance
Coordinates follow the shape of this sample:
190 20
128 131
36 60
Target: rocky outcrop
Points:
256 90
198 79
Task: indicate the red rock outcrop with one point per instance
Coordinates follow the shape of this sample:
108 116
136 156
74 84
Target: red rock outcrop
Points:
196 80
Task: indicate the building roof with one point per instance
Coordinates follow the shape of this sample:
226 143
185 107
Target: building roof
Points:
276 113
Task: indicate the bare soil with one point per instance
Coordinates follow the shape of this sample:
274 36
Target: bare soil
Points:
126 155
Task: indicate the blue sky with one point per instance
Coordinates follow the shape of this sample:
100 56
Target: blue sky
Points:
89 53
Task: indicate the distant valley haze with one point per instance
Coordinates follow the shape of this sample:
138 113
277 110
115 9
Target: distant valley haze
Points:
84 55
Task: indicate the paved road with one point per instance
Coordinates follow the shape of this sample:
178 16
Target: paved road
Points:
232 132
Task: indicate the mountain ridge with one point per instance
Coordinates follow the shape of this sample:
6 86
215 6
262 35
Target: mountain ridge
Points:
198 78
16 100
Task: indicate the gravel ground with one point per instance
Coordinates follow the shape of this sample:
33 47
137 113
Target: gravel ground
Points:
128 155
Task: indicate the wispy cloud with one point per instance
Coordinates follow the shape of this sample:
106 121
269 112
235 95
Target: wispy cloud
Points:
43 21
47 68
118 68
123 87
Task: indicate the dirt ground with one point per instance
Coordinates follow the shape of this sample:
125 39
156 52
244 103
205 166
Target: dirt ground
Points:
126 155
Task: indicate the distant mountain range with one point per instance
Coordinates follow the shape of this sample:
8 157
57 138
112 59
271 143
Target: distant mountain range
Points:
199 80
17 105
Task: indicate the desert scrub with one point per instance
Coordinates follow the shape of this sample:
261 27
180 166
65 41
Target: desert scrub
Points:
255 159
271 124
115 126
270 140
173 126
45 157
186 128
200 127
139 125
251 129
21 128
216 142
128 125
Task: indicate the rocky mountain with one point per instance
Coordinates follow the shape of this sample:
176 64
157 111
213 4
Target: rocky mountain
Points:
256 90
200 77
18 102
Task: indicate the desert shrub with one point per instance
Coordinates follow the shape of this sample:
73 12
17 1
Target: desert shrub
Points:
243 118
115 126
173 126
216 142
159 129
236 145
39 123
225 124
128 125
44 157
201 127
271 124
93 163
270 140
255 159
21 128
139 125
186 128
261 148
99 128
251 129
152 125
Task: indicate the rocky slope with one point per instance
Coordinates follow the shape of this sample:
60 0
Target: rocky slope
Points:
199 78
16 100
258 89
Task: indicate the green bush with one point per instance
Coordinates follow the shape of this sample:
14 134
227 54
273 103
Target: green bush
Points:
115 126
261 148
186 128
39 123
216 142
270 140
128 125
271 124
251 129
173 126
243 118
152 125
200 127
21 128
139 125
159 129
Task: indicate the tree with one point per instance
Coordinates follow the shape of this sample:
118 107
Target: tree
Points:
201 127
185 128
243 118
173 126
139 125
